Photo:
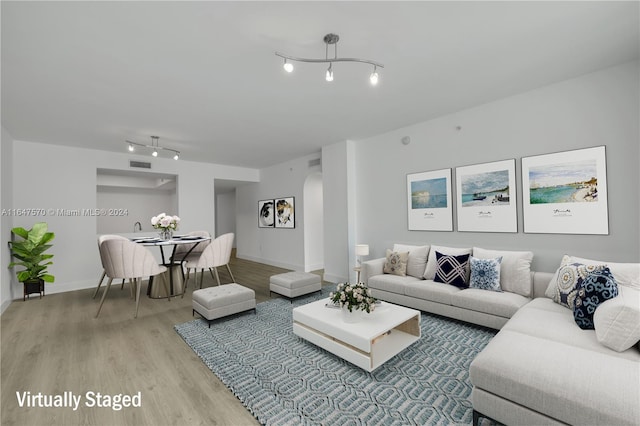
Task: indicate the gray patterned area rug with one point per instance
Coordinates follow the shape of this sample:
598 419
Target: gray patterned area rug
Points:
283 379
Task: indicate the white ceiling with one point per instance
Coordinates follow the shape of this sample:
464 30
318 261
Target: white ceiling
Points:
203 75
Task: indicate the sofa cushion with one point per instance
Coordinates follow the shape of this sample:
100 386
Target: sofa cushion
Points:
548 320
594 289
515 269
617 321
563 287
485 274
452 270
417 261
396 263
626 274
431 290
392 283
568 383
432 262
502 304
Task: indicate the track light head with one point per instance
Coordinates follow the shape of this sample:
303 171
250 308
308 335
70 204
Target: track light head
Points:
373 78
288 66
131 148
329 75
176 157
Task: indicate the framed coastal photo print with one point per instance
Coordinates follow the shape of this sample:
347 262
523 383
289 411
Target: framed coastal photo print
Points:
266 214
566 192
429 203
486 197
285 212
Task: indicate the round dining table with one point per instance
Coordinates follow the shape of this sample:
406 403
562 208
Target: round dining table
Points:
174 264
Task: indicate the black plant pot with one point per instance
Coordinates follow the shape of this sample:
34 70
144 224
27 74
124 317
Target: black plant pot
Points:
33 286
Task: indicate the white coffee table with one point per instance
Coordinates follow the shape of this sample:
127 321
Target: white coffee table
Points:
369 343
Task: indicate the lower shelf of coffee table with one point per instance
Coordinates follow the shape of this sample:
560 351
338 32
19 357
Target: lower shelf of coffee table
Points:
383 347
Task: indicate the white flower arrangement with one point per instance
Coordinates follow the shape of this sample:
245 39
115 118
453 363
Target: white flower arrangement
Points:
165 222
353 297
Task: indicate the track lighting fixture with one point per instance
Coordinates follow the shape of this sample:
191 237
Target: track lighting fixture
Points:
154 146
333 40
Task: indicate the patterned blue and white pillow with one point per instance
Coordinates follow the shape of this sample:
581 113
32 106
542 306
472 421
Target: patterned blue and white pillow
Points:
485 274
452 270
563 288
594 289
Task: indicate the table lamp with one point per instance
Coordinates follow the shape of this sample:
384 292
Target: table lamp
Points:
361 250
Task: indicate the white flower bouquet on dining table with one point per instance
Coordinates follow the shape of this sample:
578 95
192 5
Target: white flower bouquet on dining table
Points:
166 224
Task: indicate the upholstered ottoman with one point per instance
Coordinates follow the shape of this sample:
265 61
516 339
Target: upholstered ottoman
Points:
294 284
217 302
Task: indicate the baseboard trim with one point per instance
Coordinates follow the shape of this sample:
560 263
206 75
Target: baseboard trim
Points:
284 265
334 278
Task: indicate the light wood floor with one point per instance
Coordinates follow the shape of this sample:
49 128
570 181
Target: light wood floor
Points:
54 344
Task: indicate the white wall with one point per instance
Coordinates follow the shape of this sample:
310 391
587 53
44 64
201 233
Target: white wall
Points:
274 246
6 220
314 223
141 204
226 214
601 108
337 226
65 178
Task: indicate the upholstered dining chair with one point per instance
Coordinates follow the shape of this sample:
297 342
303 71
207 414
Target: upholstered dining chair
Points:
102 238
124 259
183 249
218 253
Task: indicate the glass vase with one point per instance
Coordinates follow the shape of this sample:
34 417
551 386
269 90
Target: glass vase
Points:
166 234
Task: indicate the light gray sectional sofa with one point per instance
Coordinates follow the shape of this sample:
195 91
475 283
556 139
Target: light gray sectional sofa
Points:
541 368
418 290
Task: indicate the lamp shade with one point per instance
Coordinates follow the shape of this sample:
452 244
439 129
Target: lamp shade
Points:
362 249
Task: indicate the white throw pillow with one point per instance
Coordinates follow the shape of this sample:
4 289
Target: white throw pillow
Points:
417 258
626 274
515 269
432 263
396 263
617 320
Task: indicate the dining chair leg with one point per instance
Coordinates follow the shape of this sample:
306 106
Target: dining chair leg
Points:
217 276
104 274
137 281
131 290
122 286
211 273
104 295
233 280
186 281
201 276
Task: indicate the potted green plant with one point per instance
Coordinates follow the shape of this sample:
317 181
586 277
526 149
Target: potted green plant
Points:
30 254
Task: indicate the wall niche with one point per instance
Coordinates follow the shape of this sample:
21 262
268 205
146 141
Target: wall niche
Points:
128 197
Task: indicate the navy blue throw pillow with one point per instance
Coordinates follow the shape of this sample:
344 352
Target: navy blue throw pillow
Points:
452 270
594 289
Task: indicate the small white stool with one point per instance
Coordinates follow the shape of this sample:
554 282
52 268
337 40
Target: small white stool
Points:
227 299
294 284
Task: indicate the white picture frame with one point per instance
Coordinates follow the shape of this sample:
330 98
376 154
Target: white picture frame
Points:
486 196
429 201
566 192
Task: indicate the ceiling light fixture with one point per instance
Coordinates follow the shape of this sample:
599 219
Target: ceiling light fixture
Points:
332 39
155 146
